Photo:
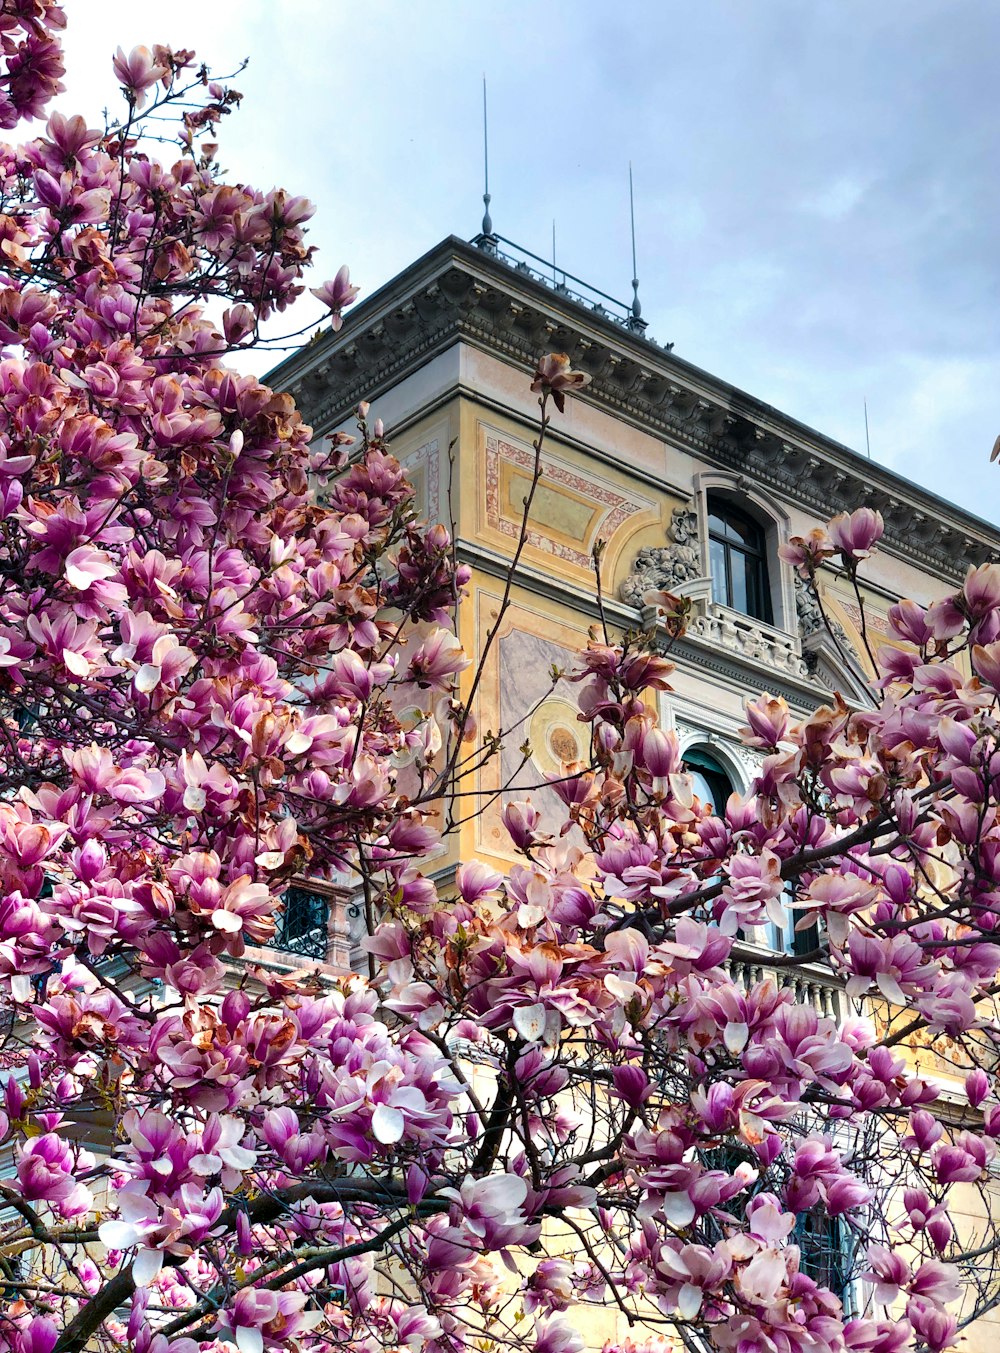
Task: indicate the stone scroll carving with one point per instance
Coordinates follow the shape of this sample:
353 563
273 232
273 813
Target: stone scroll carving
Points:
665 568
810 616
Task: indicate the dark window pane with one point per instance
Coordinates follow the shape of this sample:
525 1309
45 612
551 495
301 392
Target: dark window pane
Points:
804 941
740 568
717 564
708 780
821 1245
304 923
738 561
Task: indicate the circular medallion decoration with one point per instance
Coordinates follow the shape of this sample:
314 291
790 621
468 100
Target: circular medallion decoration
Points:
556 736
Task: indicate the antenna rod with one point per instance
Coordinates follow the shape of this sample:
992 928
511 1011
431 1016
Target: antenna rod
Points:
553 251
487 219
631 209
868 443
636 307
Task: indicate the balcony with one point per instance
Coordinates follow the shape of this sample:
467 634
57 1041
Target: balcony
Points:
811 984
319 924
748 638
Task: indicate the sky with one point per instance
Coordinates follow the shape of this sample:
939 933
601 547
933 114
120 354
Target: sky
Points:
816 183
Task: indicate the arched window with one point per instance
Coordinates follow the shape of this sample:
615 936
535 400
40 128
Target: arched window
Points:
708 779
737 554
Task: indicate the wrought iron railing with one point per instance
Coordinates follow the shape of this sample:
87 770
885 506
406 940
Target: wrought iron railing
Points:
304 924
563 283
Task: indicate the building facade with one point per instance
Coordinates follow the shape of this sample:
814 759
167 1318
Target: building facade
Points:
674 480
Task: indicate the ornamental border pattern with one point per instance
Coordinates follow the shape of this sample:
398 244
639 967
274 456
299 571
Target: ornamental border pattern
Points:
428 455
618 508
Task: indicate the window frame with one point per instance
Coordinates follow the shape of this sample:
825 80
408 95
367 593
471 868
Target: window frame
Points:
751 551
738 493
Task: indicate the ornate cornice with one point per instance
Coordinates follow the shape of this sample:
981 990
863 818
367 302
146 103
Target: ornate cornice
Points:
460 293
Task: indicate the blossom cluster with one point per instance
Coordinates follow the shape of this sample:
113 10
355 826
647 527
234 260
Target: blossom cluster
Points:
553 1088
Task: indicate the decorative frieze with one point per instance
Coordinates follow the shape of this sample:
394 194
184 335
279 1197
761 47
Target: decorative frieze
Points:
570 508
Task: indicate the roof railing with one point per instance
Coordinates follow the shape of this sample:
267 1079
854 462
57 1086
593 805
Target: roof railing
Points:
563 283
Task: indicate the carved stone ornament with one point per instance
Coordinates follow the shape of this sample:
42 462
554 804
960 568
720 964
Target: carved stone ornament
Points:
746 638
810 615
749 759
666 568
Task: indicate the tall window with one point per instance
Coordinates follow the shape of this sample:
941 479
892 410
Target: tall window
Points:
737 549
824 1251
708 780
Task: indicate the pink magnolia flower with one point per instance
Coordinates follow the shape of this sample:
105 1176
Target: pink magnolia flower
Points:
336 295
986 663
806 553
138 72
855 534
47 1171
260 1319
937 1328
553 1335
768 720
491 1210
977 1087
522 820
436 662
554 376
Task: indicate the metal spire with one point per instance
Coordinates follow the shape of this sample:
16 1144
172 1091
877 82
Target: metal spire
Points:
487 219
636 321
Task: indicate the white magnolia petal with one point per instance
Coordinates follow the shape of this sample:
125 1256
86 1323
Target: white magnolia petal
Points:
688 1301
735 1037
249 1340
146 1266
85 566
678 1209
118 1235
148 677
890 988
503 1194
529 1021
387 1124
75 662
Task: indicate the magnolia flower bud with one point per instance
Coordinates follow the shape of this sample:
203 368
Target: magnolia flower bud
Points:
977 1087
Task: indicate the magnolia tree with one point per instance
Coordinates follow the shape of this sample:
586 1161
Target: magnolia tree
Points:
549 1092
